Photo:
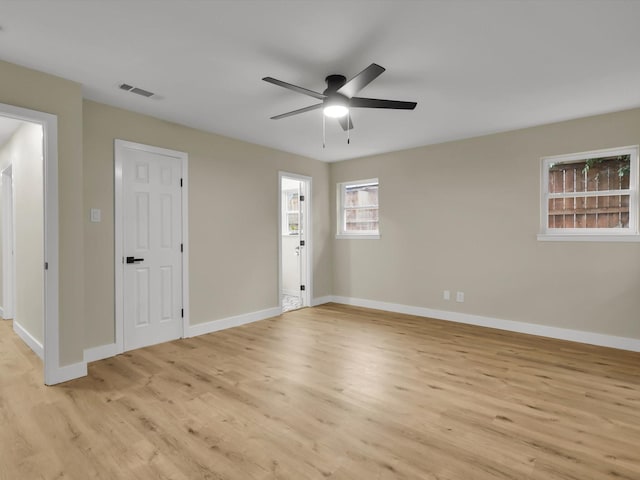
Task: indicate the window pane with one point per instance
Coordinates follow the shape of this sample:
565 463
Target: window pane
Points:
292 202
590 175
293 222
607 211
361 195
361 219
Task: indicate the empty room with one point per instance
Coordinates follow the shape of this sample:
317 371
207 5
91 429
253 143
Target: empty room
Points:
320 239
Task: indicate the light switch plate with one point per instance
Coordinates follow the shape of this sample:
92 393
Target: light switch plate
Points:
96 215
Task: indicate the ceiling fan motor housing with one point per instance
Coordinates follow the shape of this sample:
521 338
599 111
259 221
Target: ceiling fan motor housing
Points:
334 82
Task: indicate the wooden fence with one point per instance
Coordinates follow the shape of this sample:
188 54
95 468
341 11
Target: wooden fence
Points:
580 206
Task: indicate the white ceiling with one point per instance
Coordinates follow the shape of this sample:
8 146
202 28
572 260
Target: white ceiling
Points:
474 67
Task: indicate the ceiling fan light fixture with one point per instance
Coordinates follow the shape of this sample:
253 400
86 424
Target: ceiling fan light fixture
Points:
335 111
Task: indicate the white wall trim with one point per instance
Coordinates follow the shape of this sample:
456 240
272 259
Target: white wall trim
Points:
321 300
603 340
69 372
185 243
2 313
603 237
51 340
230 322
8 242
27 338
94 354
120 145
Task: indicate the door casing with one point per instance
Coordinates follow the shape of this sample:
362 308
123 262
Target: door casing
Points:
119 146
53 371
8 242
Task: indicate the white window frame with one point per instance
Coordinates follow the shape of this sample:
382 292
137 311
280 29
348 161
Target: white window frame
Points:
630 234
341 189
286 212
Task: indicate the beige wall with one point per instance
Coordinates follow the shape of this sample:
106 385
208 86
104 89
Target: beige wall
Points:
25 151
464 216
27 88
233 217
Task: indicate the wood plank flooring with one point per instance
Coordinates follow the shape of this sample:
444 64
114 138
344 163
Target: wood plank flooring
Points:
331 392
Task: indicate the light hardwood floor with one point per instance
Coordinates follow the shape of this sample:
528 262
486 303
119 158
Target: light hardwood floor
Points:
331 392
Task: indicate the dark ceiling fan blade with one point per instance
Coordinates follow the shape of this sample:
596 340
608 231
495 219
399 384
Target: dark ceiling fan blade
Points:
295 112
361 80
295 88
346 122
359 102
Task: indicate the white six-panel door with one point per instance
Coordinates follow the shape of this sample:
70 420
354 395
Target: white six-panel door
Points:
151 251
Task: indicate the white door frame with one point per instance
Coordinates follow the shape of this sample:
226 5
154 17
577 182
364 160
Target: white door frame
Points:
53 372
8 242
308 281
119 146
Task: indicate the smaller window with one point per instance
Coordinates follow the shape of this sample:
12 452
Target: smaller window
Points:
358 209
590 196
291 213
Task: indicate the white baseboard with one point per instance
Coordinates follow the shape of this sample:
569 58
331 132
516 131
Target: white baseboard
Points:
622 343
1 312
223 323
100 352
27 338
94 354
321 300
67 372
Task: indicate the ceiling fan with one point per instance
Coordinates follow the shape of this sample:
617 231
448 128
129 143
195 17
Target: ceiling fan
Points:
339 96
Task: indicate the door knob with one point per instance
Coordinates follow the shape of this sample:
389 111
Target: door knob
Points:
134 260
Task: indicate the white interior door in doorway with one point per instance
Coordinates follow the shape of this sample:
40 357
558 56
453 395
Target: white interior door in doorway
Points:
295 271
151 258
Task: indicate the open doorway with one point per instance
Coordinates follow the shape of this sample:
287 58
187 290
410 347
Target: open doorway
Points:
29 232
294 233
21 163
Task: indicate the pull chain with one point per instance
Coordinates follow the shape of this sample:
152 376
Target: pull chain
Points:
348 128
324 136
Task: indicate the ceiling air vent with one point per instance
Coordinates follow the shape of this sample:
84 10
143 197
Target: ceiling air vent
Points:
136 90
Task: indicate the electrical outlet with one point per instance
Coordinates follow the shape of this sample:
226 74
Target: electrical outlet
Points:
460 297
96 215
446 295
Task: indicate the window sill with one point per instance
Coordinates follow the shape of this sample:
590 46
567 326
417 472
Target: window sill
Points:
351 236
555 237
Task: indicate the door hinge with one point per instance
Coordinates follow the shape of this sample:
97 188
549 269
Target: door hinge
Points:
180 182
182 312
46 265
302 288
302 198
302 243
182 247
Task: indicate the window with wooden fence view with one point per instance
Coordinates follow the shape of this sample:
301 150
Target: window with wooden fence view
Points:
592 193
359 208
